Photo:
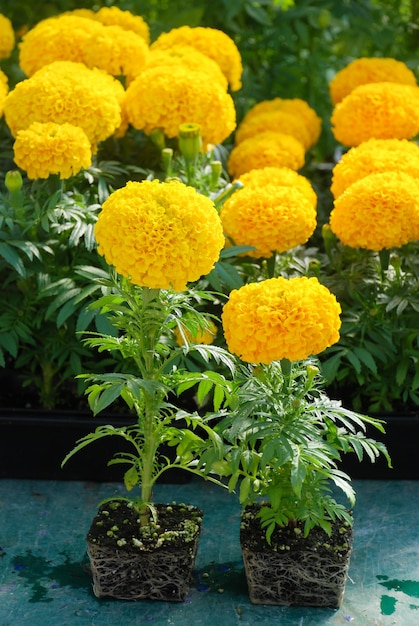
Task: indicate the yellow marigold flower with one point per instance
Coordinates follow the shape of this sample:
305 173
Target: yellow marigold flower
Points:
7 37
379 211
269 218
44 149
281 318
114 16
281 176
268 149
375 155
213 43
377 110
274 121
60 38
190 58
202 335
117 51
165 97
89 13
67 92
160 235
369 70
295 106
4 90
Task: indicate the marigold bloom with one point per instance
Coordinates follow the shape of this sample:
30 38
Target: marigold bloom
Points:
117 51
375 155
274 121
205 336
281 318
379 211
268 149
377 110
369 70
165 97
160 235
7 37
281 176
67 92
4 90
44 149
296 106
60 38
213 43
114 16
270 218
190 58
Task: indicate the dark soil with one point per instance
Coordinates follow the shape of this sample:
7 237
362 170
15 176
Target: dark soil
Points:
116 525
150 563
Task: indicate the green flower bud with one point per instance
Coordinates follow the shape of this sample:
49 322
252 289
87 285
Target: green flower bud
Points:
190 141
13 181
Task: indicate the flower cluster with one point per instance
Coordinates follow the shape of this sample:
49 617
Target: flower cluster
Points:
377 110
166 97
44 149
204 335
160 235
213 43
118 51
65 91
7 37
4 90
190 58
61 38
280 176
272 218
71 37
267 149
276 121
375 155
281 318
378 211
369 70
114 16
295 106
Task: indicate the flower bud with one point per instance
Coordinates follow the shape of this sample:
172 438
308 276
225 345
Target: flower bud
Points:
190 141
13 181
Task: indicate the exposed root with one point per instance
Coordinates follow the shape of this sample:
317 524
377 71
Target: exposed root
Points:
153 576
290 578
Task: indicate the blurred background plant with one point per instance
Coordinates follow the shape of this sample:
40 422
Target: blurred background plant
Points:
288 50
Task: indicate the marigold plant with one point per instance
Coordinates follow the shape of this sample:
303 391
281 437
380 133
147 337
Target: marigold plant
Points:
7 37
274 121
281 176
44 149
377 110
271 218
65 91
268 149
281 318
379 211
295 106
369 70
213 43
166 97
190 58
160 235
60 38
375 155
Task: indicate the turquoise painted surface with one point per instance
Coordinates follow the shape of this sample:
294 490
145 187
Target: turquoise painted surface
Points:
44 578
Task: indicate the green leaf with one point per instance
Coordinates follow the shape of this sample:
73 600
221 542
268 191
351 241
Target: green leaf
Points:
366 358
131 478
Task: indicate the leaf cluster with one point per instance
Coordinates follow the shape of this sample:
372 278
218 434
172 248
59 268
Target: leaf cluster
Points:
285 441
